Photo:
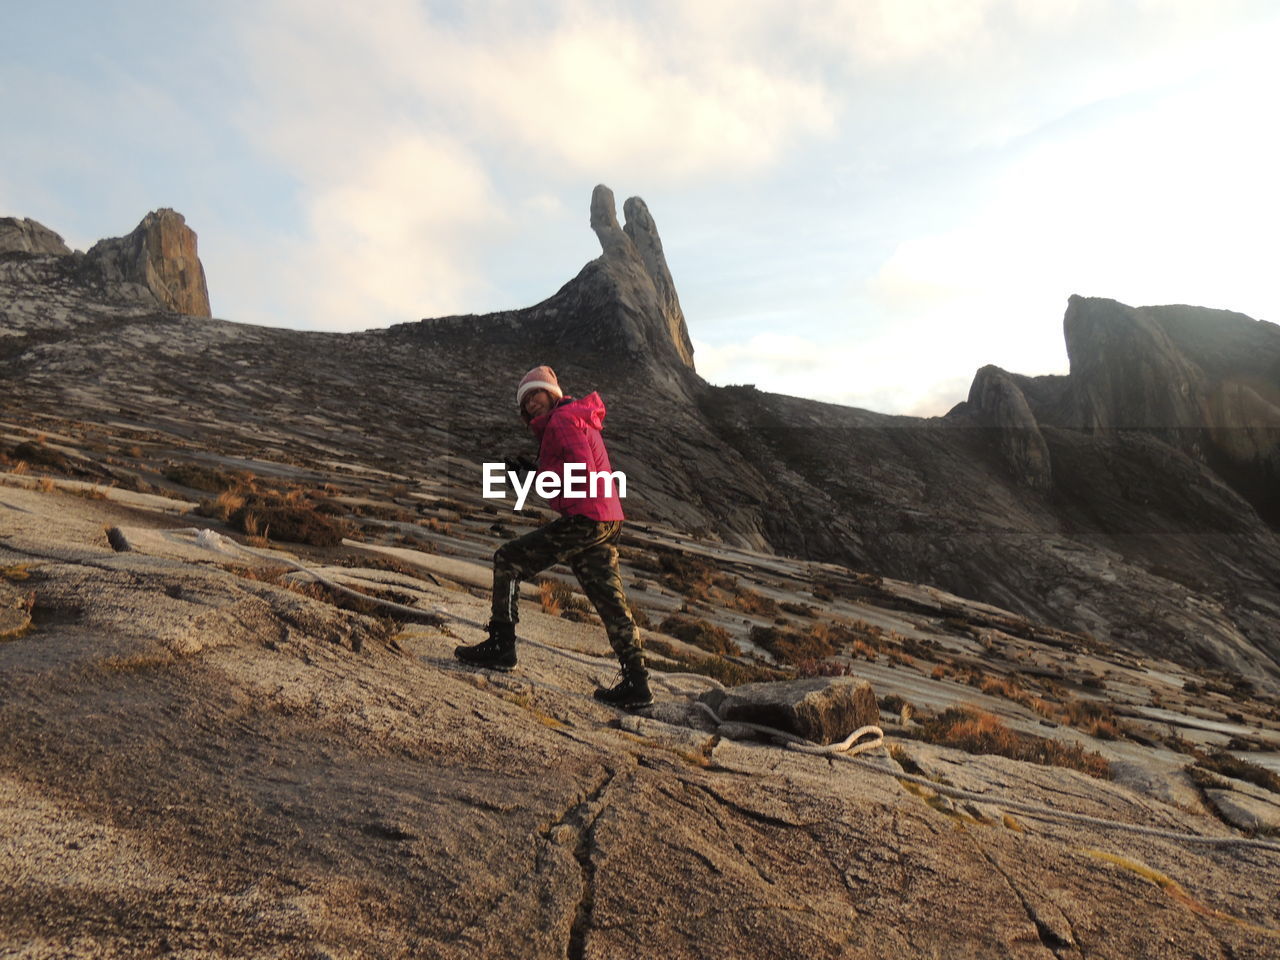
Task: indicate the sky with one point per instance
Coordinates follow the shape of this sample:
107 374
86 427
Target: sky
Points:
861 202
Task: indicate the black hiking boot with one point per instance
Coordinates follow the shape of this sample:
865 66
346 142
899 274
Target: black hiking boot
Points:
497 653
629 693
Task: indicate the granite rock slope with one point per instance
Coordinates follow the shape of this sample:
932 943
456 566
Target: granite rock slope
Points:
1121 525
197 762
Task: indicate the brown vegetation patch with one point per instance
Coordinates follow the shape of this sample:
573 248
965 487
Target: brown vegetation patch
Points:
976 731
40 455
1090 716
1230 685
197 477
558 598
699 579
792 646
728 672
275 516
1230 766
702 634
824 668
799 609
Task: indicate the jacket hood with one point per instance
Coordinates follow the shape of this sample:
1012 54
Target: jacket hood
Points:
587 411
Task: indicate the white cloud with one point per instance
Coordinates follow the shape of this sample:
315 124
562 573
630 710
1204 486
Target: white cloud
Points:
383 241
1157 199
409 138
605 96
898 372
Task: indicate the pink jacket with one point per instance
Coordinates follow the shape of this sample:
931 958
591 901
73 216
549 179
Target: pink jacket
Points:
570 433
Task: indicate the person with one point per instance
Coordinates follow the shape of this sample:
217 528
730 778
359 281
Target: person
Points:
585 535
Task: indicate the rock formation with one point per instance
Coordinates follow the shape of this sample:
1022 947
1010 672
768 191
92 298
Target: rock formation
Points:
1122 532
1127 373
621 309
1206 382
27 236
634 260
998 400
160 257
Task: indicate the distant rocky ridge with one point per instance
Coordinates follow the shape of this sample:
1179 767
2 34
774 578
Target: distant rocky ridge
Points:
157 263
1129 500
27 236
1206 382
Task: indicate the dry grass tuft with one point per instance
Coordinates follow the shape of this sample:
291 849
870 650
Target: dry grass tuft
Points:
976 731
728 672
1222 762
558 598
288 516
548 596
702 634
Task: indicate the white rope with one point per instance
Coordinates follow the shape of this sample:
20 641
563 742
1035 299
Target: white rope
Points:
844 751
845 746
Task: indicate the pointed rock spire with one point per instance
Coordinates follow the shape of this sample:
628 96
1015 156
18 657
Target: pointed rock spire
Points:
160 255
634 254
644 234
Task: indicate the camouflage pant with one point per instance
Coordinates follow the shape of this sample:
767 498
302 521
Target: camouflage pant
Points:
588 547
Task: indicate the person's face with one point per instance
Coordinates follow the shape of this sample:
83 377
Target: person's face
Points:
536 403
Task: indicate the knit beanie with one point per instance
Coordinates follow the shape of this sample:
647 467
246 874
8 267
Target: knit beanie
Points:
539 378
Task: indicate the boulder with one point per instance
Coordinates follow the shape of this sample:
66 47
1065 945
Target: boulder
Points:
821 709
27 236
1246 812
1169 785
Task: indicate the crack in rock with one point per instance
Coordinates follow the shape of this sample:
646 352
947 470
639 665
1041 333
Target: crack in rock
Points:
577 826
1055 932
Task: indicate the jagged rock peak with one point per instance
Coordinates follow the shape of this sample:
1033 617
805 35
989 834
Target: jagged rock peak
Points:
159 255
26 236
604 221
999 401
1205 380
638 244
1126 371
